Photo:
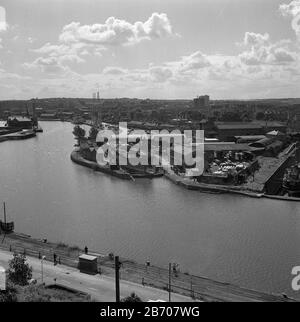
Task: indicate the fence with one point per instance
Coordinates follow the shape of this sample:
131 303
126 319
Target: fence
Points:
64 259
146 275
195 287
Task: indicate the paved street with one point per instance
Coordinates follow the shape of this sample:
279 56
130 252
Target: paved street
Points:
101 288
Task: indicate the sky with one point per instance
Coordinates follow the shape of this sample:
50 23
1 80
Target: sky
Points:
160 49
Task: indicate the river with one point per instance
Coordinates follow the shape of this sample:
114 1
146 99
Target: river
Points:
253 243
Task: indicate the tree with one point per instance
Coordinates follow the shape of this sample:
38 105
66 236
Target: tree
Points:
10 295
19 271
93 133
79 132
260 116
132 298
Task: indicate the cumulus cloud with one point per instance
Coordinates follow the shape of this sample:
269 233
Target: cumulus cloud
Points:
292 9
193 62
172 71
161 74
117 32
3 23
77 41
62 52
114 71
31 40
260 62
254 39
49 65
261 51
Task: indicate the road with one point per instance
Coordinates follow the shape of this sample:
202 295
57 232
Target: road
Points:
101 288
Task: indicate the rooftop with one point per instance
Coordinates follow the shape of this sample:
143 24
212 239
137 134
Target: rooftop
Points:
250 137
234 126
227 147
19 118
88 257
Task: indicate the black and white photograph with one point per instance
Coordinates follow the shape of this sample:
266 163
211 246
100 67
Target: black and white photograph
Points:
149 154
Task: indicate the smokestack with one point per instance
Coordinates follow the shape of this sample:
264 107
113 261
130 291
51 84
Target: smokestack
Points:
33 108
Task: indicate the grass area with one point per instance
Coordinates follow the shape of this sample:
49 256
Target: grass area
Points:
42 293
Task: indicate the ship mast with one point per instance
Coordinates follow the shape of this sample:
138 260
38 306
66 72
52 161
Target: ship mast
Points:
4 209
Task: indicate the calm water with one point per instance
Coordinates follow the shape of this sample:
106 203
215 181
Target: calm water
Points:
253 243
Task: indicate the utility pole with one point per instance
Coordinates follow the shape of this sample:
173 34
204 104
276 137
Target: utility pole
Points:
170 272
42 268
117 269
192 291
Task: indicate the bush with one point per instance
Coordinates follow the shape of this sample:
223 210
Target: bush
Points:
10 295
132 298
19 271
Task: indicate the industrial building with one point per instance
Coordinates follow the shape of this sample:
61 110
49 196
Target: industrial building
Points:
229 131
20 122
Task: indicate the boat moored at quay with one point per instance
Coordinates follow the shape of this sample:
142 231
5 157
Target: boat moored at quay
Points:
291 181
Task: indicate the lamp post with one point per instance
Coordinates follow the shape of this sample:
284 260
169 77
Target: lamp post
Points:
42 267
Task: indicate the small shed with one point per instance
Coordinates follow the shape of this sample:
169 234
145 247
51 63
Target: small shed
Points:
2 279
88 264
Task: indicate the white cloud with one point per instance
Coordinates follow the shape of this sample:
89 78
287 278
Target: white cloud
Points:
253 39
292 9
193 62
260 66
117 32
161 74
174 71
260 51
31 40
114 71
3 23
62 52
77 41
49 65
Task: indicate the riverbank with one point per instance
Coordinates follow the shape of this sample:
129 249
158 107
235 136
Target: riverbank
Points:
199 288
182 181
206 188
22 135
78 159
120 173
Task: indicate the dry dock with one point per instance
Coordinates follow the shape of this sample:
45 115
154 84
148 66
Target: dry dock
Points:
199 288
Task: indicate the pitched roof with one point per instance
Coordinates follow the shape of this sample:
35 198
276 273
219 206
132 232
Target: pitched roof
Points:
19 118
237 126
227 147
